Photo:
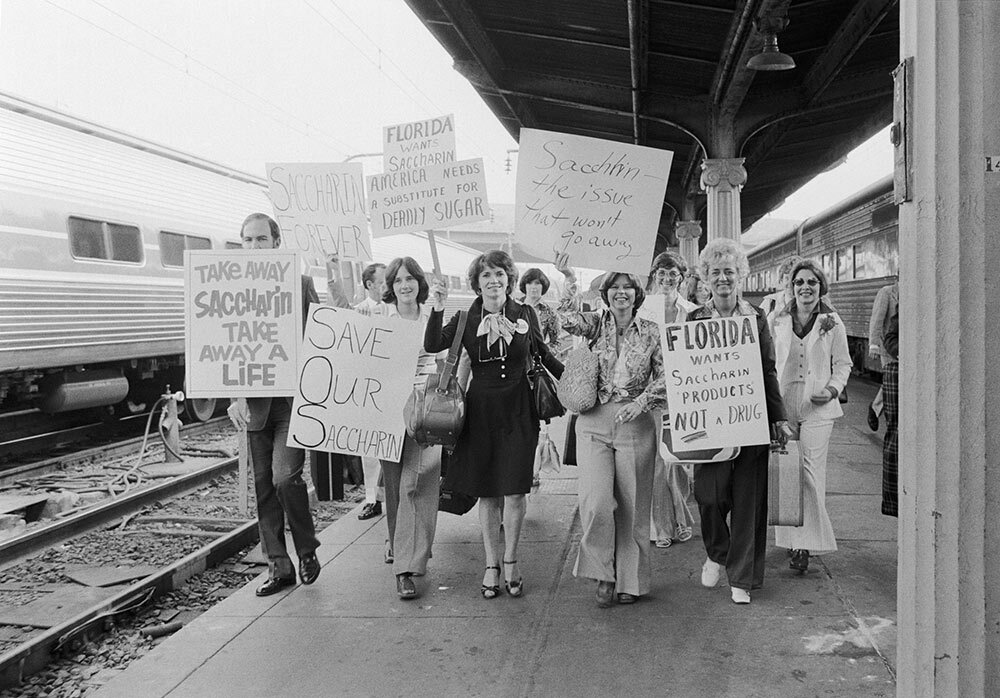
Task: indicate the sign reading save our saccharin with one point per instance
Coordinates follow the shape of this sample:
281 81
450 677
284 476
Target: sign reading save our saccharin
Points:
243 320
356 374
598 200
715 383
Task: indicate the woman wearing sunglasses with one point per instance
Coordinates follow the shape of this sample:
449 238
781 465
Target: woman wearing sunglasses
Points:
813 363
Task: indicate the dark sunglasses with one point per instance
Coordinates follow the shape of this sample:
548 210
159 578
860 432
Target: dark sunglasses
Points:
811 282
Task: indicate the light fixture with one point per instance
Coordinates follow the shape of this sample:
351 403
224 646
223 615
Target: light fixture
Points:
770 58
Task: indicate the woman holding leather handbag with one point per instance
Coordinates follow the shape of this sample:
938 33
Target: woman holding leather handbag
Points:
813 363
616 438
494 457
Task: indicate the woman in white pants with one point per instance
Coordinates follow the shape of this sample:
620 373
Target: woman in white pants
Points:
813 363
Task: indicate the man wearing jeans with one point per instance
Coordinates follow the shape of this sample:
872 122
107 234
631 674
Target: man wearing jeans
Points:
277 468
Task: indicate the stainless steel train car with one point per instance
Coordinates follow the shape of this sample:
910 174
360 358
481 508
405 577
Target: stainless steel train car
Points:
93 228
855 242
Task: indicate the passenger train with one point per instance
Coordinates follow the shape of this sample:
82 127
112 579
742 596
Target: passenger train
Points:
93 228
855 242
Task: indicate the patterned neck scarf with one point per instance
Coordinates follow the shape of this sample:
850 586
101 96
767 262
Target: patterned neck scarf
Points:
496 326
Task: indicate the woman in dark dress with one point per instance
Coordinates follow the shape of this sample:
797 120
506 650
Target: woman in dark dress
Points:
495 454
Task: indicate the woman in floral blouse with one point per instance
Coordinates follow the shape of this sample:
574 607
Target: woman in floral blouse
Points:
616 439
813 363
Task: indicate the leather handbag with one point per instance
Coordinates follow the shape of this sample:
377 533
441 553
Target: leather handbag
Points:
671 453
435 411
577 389
785 486
543 387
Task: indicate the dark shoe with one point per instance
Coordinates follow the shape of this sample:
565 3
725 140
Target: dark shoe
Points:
309 568
605 594
627 598
274 585
405 586
491 591
370 511
513 588
800 560
872 419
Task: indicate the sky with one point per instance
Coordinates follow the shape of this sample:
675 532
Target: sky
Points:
244 82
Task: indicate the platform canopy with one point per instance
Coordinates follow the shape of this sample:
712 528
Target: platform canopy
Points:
673 74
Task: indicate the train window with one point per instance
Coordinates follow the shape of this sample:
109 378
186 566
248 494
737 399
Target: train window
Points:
845 264
455 282
230 245
881 255
90 239
172 246
860 262
826 263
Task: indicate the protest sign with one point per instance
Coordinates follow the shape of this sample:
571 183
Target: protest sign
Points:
715 383
418 144
356 374
436 196
243 320
320 208
598 200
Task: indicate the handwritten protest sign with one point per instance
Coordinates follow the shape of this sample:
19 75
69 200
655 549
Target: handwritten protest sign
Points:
437 196
418 144
598 200
356 374
320 208
715 383
243 320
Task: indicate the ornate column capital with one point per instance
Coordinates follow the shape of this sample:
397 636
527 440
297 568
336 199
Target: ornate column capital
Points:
723 171
688 230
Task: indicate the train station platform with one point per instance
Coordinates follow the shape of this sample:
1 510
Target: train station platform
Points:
830 632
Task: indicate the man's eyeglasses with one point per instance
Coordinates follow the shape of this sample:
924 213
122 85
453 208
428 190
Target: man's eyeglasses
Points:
810 282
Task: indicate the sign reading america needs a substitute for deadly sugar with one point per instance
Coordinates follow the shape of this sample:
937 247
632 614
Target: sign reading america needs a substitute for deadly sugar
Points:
598 200
356 374
715 383
243 320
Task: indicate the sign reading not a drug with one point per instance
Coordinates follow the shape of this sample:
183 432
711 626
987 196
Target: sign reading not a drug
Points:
715 383
418 144
320 208
598 200
243 320
436 196
356 374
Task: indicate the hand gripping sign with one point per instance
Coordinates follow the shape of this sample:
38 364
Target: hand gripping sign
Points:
355 375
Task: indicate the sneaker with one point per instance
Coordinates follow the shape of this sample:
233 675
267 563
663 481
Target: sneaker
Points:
710 573
740 596
872 419
370 511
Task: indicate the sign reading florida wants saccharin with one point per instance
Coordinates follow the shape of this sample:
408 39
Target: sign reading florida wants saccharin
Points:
243 320
356 374
715 383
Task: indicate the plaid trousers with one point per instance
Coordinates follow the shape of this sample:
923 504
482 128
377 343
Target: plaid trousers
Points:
890 452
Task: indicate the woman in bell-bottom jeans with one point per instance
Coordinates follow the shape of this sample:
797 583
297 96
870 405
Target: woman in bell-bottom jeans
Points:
411 498
615 477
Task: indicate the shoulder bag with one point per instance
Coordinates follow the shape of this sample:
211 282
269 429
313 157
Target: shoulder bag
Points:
543 387
577 389
435 411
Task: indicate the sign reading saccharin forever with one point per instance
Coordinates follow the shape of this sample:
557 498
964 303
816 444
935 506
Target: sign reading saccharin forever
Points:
356 374
243 320
320 208
418 144
715 383
428 198
598 200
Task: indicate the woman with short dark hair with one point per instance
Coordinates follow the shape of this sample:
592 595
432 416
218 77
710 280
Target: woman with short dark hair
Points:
535 284
494 457
616 439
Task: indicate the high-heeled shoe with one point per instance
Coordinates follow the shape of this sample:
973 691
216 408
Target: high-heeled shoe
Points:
513 588
491 591
799 561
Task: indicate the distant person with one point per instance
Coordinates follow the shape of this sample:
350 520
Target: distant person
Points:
698 292
890 388
534 285
812 363
373 278
495 454
886 302
737 489
782 296
277 468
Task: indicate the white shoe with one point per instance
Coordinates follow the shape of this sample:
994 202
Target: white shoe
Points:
740 595
710 573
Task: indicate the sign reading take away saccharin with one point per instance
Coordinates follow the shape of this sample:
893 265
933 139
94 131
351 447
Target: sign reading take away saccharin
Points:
243 320
598 200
